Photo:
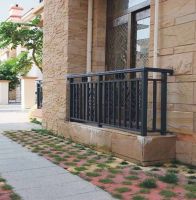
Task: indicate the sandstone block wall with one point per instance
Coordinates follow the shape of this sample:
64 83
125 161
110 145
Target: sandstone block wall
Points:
177 50
65 38
65 41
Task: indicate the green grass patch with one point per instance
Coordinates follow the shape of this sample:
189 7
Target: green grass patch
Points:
35 121
114 171
81 157
2 179
106 180
132 177
175 171
191 195
92 174
7 187
138 197
91 161
144 191
148 183
191 188
15 196
117 196
58 159
127 183
80 169
122 189
169 178
167 193
102 165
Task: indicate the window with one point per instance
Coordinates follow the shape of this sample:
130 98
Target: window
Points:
128 33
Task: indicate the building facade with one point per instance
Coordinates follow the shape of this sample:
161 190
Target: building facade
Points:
94 36
23 94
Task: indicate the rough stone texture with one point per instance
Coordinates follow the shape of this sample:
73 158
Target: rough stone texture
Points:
141 150
177 47
65 31
65 40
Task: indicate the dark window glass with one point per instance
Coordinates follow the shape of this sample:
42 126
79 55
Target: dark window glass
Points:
142 42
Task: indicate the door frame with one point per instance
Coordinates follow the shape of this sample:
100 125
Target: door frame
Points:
128 14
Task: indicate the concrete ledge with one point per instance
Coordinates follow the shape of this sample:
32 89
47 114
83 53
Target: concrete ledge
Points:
141 150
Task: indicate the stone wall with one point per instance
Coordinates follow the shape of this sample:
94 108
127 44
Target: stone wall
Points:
99 35
177 50
65 30
65 38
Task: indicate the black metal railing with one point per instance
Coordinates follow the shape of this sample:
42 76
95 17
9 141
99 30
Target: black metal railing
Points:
132 99
39 94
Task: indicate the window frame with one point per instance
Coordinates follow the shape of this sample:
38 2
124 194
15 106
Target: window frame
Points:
129 14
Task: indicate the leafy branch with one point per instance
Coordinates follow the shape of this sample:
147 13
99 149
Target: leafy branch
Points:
28 35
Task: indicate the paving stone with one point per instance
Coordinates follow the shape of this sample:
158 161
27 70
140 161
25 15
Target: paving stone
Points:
32 176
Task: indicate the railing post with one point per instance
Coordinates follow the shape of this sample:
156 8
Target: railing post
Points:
163 103
99 101
71 98
39 94
144 109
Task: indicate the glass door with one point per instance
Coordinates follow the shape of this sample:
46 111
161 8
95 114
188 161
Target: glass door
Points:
141 35
128 33
117 44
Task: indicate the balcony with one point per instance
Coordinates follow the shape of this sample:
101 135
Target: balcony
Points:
132 99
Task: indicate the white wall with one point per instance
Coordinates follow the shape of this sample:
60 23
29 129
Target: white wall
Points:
4 88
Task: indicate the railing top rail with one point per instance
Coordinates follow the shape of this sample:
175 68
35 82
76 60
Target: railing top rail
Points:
131 70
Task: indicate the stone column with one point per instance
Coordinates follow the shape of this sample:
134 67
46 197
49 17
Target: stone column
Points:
4 92
28 89
64 52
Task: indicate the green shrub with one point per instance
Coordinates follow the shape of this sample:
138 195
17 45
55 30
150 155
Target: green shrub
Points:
169 178
148 183
167 193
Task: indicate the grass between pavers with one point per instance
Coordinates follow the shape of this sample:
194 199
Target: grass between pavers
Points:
120 178
6 191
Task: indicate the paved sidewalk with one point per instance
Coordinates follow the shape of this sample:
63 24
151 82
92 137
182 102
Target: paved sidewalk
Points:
33 177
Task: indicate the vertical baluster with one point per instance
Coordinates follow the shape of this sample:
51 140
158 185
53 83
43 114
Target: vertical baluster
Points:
92 95
144 102
79 99
114 103
130 104
163 103
71 98
99 104
137 104
119 103
84 79
125 104
154 118
87 101
109 117
95 103
104 101
74 101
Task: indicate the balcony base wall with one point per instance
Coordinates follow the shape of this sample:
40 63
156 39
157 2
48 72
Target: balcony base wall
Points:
129 146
